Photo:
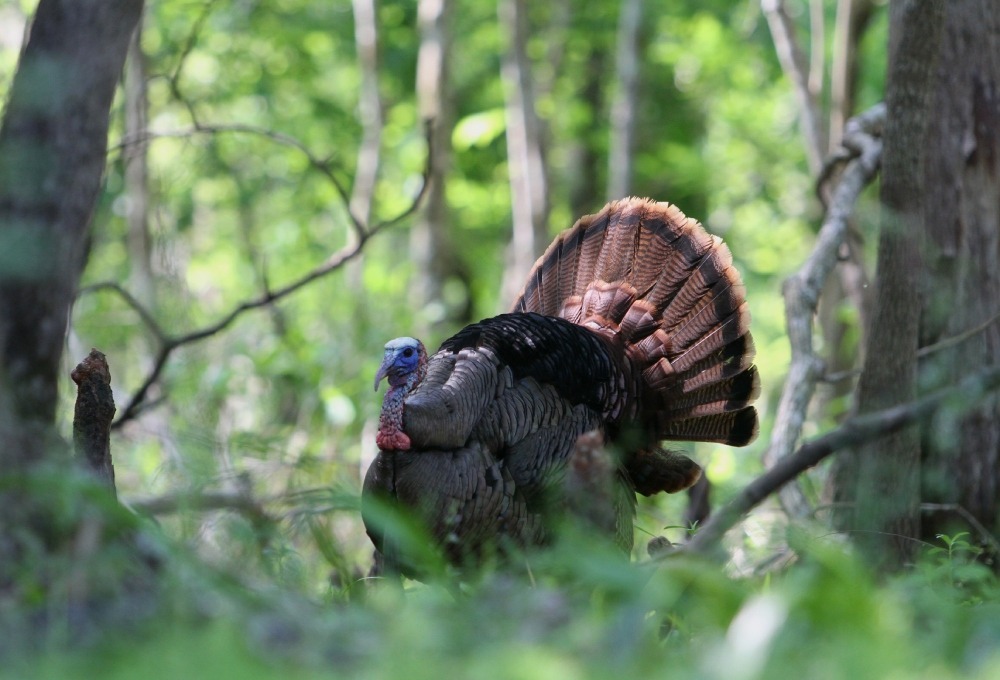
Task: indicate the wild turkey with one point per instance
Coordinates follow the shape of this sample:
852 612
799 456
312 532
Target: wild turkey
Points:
633 325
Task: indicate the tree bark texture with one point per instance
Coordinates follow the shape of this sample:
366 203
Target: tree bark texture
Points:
95 409
886 491
53 141
962 203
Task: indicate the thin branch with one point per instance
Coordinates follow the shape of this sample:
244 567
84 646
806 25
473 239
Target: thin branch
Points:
202 500
140 309
923 352
324 165
796 68
192 40
853 17
240 501
817 50
957 339
802 291
852 432
169 344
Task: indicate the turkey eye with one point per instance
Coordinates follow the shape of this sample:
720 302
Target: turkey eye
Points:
408 352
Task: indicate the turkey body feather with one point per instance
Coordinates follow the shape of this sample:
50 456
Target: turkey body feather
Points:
632 328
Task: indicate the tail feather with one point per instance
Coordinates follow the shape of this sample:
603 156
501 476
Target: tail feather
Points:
734 358
648 274
734 428
618 247
729 329
719 397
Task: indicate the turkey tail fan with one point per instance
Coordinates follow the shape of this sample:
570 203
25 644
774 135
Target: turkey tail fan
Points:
644 272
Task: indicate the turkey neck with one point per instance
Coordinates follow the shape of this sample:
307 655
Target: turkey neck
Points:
390 422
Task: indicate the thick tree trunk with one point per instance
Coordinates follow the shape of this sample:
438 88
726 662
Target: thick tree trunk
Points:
53 141
962 202
885 489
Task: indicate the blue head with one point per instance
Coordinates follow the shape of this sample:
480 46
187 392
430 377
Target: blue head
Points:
404 358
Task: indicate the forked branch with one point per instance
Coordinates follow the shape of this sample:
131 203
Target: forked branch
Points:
168 344
862 150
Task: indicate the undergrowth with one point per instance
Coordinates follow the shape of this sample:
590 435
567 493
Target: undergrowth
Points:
572 611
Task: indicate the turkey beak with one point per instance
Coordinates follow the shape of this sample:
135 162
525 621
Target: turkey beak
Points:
383 370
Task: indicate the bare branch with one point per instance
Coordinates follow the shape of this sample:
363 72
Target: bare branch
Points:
303 501
168 343
853 17
956 339
796 68
817 51
324 165
131 301
852 432
802 291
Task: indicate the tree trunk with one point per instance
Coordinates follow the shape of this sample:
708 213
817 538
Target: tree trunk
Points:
853 17
430 241
135 159
585 160
884 489
625 102
961 198
525 161
53 142
369 111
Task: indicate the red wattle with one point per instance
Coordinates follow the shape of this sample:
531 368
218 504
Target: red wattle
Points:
392 440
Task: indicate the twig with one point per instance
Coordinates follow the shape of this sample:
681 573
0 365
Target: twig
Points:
802 291
852 432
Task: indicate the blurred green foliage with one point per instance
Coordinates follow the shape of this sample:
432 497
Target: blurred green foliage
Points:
823 617
279 405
